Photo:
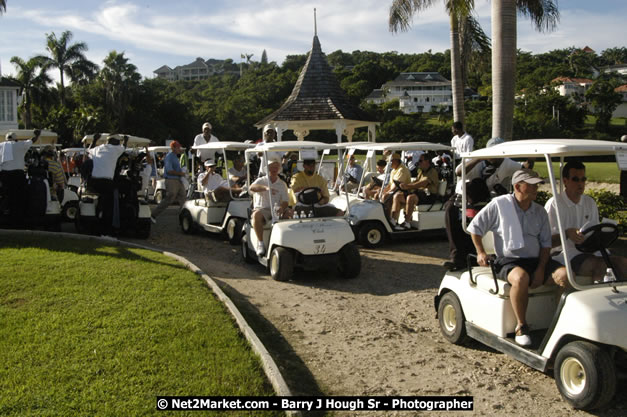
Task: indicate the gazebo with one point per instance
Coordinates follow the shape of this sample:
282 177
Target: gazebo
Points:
318 102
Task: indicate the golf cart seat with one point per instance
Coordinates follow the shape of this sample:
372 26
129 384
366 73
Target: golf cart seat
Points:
438 204
486 281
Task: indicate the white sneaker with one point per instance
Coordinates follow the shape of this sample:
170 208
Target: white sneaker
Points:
522 336
261 249
406 225
398 227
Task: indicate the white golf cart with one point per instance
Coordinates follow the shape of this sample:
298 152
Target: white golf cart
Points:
582 336
304 242
202 213
368 219
38 194
134 212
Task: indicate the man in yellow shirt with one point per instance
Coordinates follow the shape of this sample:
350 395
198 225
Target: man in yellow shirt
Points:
306 179
423 190
399 173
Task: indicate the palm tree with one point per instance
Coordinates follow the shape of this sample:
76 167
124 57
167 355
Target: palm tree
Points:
33 80
401 13
68 58
545 16
120 79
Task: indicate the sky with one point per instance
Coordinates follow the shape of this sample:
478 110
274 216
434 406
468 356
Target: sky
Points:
152 33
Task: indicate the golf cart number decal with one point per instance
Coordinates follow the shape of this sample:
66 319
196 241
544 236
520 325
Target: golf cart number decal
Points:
319 249
317 228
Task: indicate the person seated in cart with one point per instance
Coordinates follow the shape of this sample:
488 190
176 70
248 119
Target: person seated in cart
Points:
214 186
237 173
522 242
354 171
421 191
577 212
309 178
55 172
375 180
262 210
400 174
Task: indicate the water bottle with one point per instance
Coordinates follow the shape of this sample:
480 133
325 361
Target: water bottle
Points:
310 213
277 209
609 275
296 215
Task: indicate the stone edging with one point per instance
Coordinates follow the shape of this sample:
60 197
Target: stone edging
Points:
269 366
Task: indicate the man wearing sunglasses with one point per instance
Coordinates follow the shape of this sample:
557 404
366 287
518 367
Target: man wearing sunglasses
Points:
578 211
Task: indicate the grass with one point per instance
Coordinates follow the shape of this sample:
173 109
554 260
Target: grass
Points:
92 330
595 171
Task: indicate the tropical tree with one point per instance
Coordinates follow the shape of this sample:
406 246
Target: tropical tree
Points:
604 100
68 58
120 80
33 80
401 13
545 16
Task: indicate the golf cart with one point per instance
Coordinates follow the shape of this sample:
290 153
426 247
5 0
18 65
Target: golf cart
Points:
368 218
134 212
303 242
43 209
582 335
202 213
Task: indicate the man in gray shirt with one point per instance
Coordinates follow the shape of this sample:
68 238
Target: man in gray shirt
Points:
522 243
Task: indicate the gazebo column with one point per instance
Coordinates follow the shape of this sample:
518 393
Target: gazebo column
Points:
280 128
301 133
372 133
340 125
349 132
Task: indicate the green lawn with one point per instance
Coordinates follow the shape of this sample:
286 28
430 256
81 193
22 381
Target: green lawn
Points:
93 330
595 171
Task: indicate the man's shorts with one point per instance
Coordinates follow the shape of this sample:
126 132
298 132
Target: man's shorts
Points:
424 198
504 265
578 260
267 213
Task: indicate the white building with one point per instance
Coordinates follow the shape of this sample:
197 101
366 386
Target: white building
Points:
569 86
416 92
621 110
9 93
194 71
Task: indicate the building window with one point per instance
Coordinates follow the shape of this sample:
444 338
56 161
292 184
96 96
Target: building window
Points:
6 106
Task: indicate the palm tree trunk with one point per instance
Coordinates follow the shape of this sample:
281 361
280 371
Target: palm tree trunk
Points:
62 89
456 72
503 67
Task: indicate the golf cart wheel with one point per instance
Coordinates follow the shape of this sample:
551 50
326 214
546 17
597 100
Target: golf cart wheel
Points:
187 224
158 196
371 235
585 375
451 318
234 229
246 254
70 211
281 264
350 261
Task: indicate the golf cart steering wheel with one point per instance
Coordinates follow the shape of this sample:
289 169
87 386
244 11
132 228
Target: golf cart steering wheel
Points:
309 196
601 236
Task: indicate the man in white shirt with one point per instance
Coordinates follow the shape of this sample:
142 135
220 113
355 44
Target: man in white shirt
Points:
105 158
269 136
578 211
262 188
462 141
237 173
14 179
214 186
201 139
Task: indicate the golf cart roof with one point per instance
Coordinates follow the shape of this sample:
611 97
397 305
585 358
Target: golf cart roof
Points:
345 145
229 146
133 141
292 145
402 146
46 137
161 148
554 147
73 150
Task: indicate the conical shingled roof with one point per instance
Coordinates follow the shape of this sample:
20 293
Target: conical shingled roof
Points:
317 95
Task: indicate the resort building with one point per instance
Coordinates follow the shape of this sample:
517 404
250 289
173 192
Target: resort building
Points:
194 71
9 94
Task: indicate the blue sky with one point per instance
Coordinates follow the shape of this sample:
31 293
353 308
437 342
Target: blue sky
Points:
156 32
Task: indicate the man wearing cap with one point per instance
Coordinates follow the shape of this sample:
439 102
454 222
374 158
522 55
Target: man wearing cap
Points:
497 175
173 173
105 159
269 136
14 179
268 191
308 178
522 242
400 174
201 139
355 171
214 186
578 211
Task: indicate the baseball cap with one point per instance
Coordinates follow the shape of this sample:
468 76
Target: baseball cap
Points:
210 163
528 176
206 125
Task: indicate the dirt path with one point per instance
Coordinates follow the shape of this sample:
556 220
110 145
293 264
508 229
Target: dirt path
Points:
374 335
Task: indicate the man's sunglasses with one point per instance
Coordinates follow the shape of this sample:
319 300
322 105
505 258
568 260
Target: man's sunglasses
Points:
577 179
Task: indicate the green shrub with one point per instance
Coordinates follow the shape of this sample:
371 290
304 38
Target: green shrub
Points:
543 197
610 205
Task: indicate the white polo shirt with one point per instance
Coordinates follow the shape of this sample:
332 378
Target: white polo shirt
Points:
572 215
19 150
213 182
262 199
205 154
105 158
